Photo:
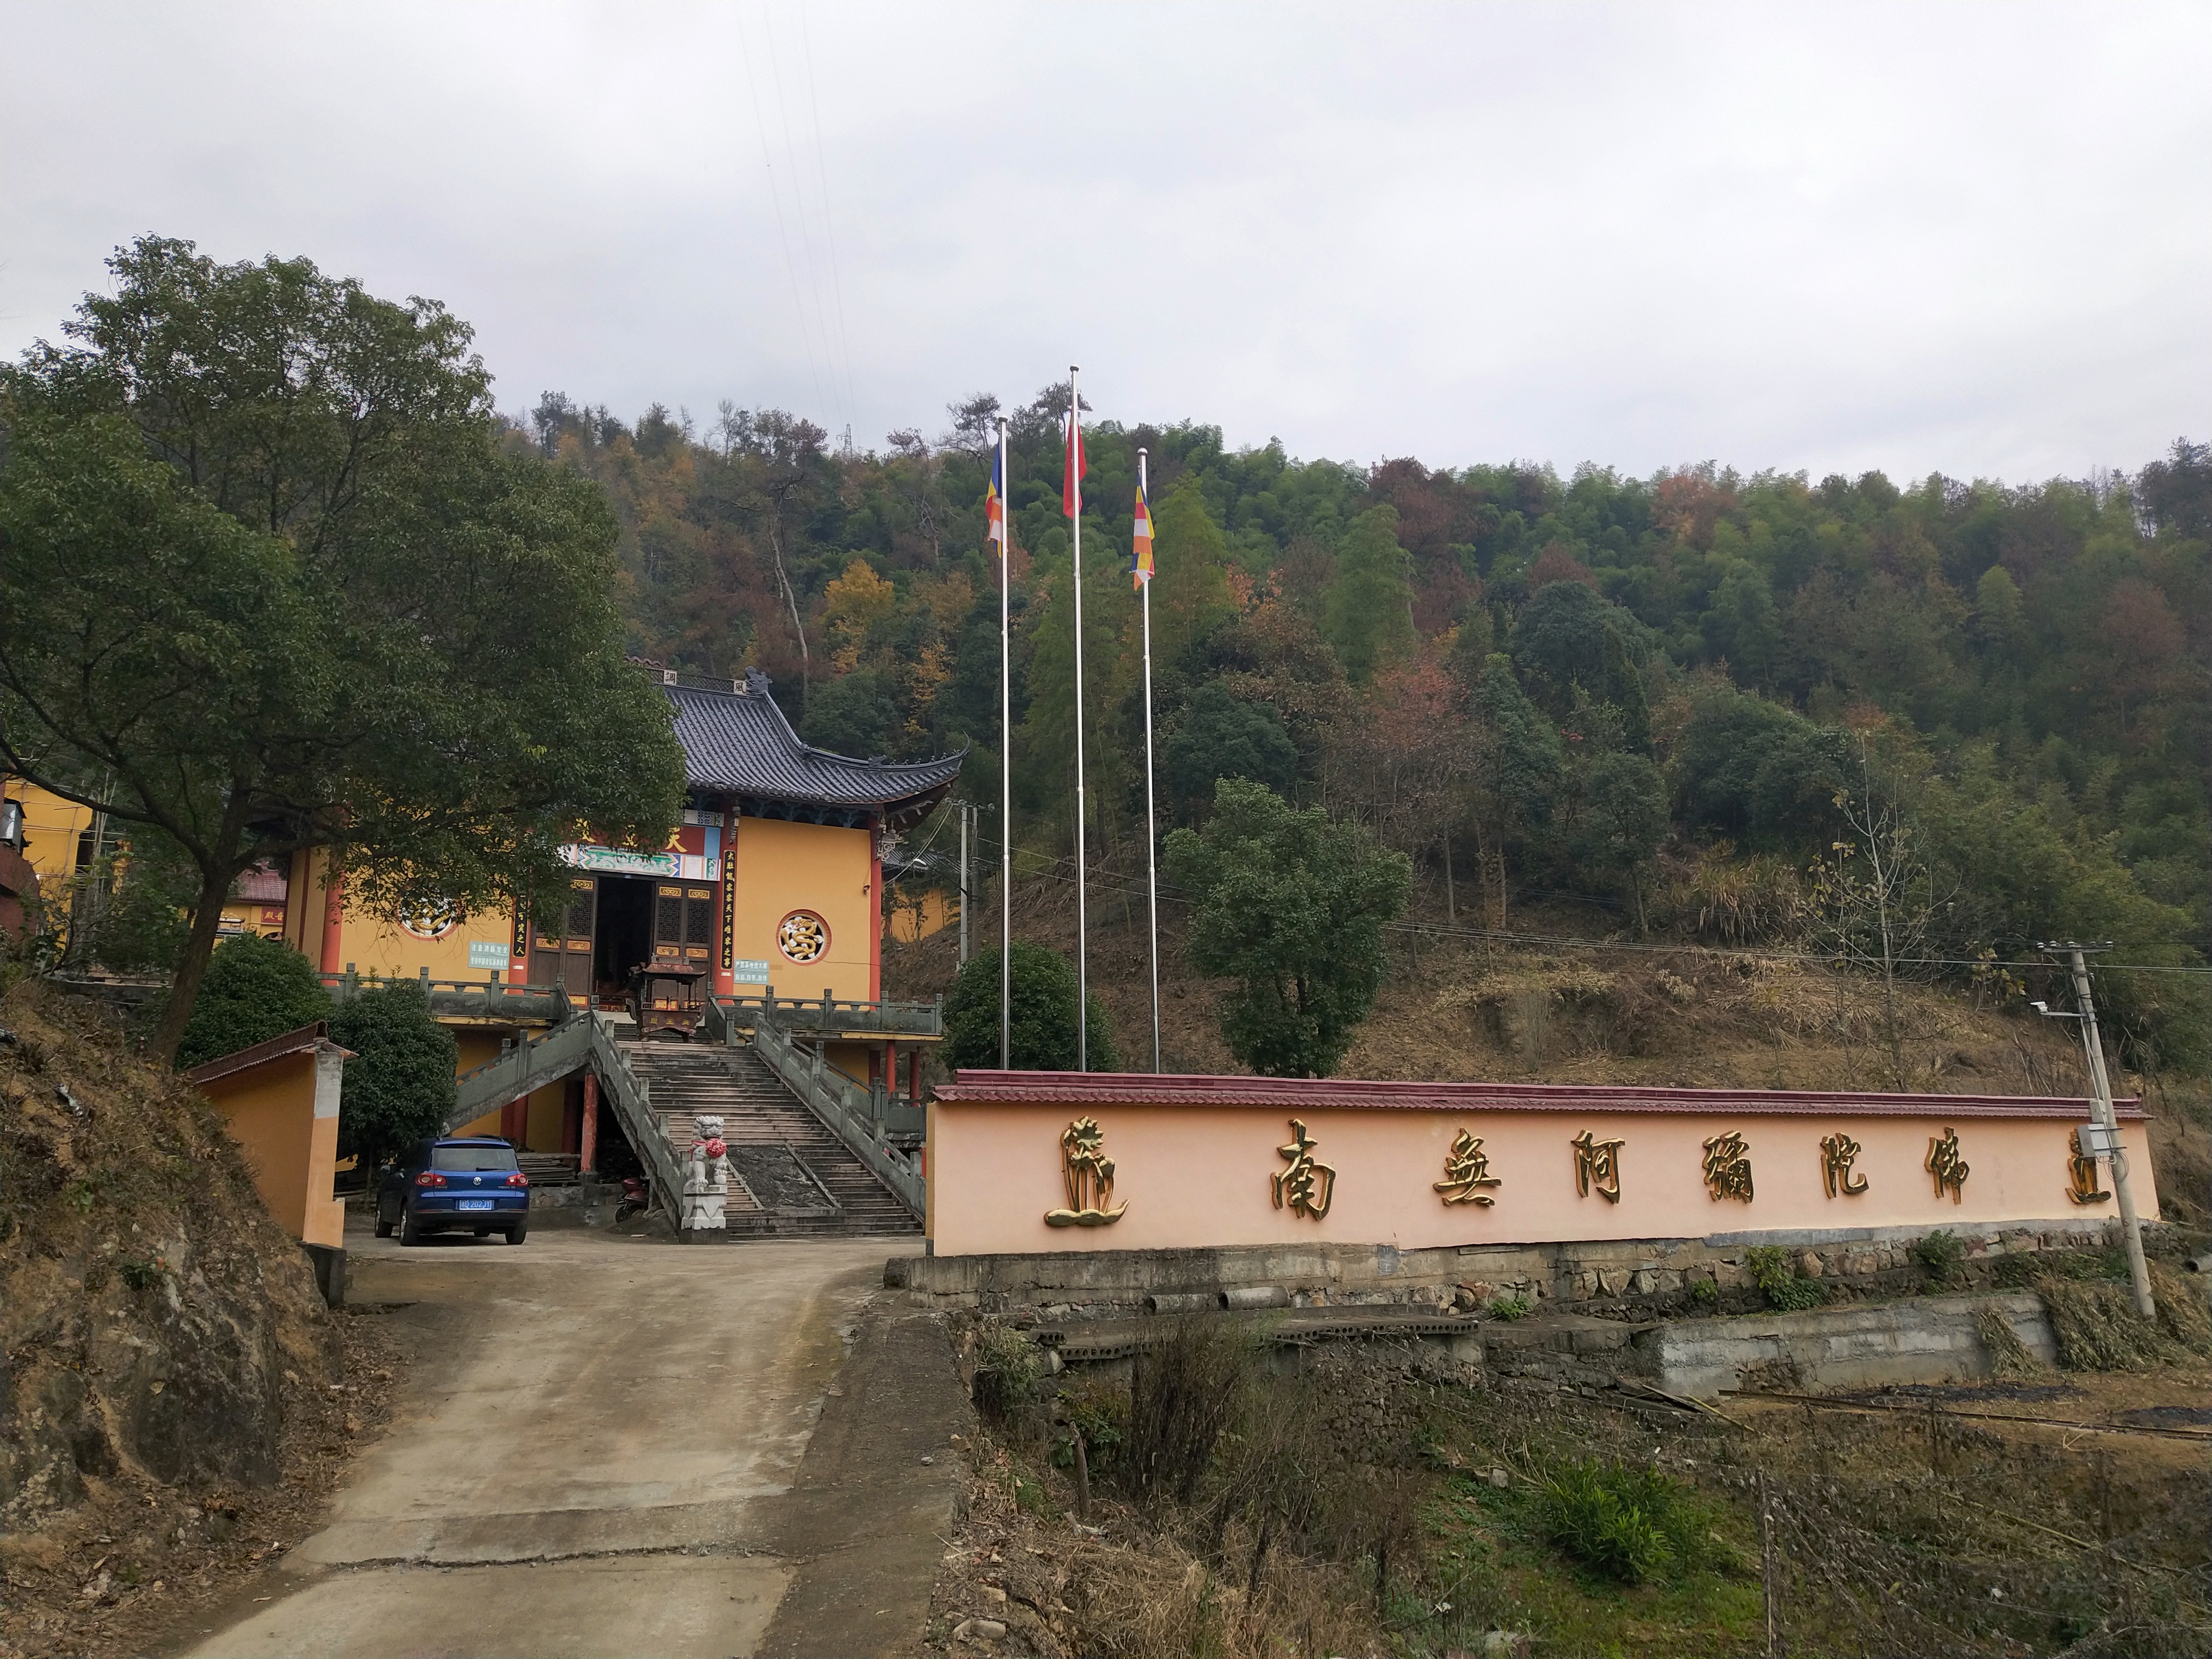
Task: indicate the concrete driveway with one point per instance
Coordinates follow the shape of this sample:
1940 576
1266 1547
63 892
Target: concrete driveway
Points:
602 1449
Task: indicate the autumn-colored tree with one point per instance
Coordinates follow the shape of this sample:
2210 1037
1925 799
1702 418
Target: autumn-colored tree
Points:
856 602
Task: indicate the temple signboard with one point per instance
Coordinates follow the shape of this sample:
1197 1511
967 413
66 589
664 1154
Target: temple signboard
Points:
614 861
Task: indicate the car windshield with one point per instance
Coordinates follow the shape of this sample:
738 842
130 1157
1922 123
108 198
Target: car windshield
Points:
473 1157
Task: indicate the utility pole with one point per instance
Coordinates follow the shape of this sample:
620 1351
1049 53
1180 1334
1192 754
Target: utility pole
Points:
2101 1107
966 813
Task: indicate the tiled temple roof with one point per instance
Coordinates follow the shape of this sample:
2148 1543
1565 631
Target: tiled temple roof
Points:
736 742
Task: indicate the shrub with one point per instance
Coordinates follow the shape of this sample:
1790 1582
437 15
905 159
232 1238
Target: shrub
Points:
1776 1274
1099 1411
1939 1255
1041 1015
256 989
1704 1293
1510 1308
399 1085
1006 1372
1184 1389
1631 1524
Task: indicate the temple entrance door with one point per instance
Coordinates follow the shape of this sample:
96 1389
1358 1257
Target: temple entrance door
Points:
624 938
683 924
564 957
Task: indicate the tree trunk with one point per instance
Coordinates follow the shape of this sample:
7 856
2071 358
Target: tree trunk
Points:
1451 902
207 916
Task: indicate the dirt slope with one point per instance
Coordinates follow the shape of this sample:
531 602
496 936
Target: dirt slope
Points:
172 1378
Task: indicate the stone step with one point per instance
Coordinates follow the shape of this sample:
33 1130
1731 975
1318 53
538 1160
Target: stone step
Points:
687 1082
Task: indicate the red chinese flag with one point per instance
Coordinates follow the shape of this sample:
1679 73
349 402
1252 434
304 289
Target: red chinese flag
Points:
1071 494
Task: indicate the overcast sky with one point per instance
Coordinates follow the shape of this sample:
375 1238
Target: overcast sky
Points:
1975 239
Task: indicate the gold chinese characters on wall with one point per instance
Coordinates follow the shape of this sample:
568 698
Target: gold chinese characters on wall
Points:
1309 1186
1944 1163
1467 1172
1839 1151
1728 1167
1306 1186
1087 1174
1597 1166
2082 1176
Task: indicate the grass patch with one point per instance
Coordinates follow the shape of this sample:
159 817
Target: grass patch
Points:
1510 1308
1631 1524
2008 1355
1490 1566
2098 1329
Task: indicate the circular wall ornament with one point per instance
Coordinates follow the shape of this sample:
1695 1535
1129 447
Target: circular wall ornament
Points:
803 936
433 919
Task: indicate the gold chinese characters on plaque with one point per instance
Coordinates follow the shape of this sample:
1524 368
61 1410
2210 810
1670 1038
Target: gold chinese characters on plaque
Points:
1597 1166
1944 1163
1728 1167
1839 1151
1087 1174
1309 1186
1467 1171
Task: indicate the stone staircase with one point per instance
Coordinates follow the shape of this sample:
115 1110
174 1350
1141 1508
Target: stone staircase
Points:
798 1178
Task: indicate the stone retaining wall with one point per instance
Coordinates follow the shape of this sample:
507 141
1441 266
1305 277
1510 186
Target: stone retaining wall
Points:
1618 1277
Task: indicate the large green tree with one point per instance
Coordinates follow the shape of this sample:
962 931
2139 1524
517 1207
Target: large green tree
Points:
1368 611
269 580
1291 905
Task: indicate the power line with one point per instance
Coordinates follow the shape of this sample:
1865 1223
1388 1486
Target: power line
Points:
775 194
805 233
829 224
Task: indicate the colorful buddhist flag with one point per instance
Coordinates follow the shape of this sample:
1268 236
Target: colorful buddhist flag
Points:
995 503
1071 493
1140 556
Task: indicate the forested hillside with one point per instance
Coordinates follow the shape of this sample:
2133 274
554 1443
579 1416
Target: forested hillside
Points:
1931 724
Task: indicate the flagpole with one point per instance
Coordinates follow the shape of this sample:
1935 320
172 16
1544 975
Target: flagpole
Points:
1151 855
1082 917
1006 770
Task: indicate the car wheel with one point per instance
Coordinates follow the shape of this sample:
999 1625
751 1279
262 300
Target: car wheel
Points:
409 1233
480 1232
383 1228
518 1232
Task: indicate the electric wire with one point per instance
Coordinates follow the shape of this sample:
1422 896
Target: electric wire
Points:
829 222
775 194
838 396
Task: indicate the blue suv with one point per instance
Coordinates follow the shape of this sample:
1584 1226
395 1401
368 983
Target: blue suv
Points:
468 1181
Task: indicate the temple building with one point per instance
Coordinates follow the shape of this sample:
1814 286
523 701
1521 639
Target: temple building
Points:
772 883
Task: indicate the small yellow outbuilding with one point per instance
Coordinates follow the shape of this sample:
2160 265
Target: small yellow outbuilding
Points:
281 1099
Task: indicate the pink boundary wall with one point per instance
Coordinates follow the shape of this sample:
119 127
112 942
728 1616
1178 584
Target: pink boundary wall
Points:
1194 1159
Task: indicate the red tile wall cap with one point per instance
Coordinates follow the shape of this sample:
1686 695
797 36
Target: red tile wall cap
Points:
993 1087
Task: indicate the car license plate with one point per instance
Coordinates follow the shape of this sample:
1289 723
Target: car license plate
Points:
472 1204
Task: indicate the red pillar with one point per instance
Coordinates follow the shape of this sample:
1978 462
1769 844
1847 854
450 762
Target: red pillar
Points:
913 1076
890 1074
514 1121
588 1147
